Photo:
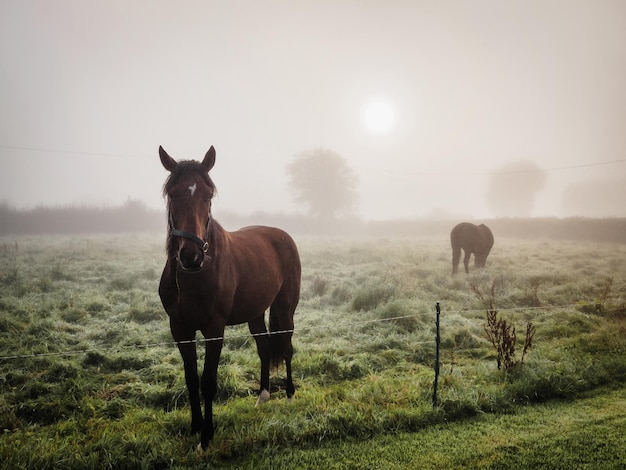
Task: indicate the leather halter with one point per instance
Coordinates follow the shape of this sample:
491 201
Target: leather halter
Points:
203 244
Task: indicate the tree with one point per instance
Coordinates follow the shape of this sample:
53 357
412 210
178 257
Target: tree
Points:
512 189
322 181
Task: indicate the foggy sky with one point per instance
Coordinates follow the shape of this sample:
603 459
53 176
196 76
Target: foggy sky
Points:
89 90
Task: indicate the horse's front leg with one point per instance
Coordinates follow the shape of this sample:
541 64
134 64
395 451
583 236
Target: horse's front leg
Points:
209 384
456 256
187 350
466 260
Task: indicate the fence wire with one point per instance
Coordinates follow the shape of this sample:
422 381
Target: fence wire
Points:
269 333
202 340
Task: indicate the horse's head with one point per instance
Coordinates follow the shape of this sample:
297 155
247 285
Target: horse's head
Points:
188 191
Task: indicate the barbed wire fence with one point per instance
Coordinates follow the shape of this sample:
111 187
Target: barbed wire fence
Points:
429 316
225 338
436 341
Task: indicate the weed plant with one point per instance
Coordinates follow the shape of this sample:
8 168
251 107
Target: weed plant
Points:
90 377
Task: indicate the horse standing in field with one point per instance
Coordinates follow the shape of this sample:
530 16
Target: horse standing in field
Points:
213 278
471 238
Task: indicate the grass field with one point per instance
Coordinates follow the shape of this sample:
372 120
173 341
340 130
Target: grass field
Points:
90 378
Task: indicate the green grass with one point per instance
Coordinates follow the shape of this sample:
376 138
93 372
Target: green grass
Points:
98 383
587 433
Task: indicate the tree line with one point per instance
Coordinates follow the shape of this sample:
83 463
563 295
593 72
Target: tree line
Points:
325 187
135 217
132 216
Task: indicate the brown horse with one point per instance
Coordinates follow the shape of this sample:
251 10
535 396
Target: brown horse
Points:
213 278
476 239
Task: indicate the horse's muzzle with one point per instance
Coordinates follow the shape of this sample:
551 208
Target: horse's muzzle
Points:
190 259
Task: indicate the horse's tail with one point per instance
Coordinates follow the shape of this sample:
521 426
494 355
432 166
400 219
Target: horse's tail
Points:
281 330
283 309
284 306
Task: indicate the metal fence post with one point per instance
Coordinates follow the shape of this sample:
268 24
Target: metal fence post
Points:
437 342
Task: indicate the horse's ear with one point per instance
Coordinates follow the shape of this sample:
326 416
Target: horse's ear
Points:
209 160
168 162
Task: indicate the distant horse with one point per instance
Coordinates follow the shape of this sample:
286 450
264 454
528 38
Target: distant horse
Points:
476 239
213 278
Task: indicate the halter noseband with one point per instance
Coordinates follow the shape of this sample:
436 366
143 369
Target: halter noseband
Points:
193 237
203 244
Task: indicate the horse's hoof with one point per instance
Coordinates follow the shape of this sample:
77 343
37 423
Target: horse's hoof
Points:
263 397
202 448
290 399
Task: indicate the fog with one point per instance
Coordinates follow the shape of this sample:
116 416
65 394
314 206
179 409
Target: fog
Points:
466 92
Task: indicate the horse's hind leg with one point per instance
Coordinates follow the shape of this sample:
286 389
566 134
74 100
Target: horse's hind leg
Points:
258 329
289 386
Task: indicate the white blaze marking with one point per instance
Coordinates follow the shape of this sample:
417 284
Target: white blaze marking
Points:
192 188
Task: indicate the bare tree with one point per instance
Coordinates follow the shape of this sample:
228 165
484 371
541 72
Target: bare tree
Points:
512 189
322 181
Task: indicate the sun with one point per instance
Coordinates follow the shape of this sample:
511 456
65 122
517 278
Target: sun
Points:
379 116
